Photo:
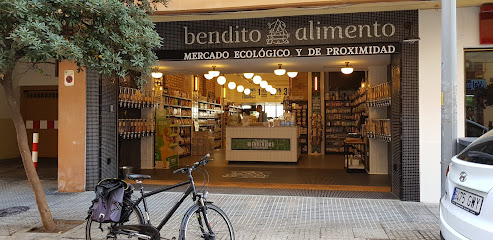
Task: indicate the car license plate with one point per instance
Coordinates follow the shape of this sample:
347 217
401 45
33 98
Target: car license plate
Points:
467 201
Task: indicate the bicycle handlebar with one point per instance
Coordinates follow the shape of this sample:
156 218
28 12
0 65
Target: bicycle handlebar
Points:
202 162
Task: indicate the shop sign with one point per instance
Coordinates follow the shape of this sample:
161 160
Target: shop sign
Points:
473 84
280 52
283 144
307 30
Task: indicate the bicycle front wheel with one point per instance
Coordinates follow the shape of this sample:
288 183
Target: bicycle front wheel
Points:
194 224
94 232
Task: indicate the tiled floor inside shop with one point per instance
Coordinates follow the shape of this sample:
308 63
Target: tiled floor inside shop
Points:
322 175
323 172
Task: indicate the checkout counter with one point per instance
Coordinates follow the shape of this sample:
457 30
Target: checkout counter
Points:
262 143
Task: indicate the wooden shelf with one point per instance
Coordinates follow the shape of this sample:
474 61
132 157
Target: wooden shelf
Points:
177 106
165 95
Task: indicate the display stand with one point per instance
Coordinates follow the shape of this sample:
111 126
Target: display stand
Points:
357 145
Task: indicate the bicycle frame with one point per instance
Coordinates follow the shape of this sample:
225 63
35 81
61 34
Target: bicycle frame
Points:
190 189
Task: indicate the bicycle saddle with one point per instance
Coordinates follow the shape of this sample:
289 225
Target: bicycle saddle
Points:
138 176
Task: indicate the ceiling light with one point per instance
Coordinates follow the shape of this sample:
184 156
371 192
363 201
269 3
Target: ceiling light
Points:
214 72
208 76
280 71
240 88
273 91
231 85
347 69
268 88
221 80
157 74
257 79
247 91
264 84
292 74
248 75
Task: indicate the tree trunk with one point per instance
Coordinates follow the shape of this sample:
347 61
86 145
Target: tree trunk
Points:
22 141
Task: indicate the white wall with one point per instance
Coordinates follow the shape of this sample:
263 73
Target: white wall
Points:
430 90
429 104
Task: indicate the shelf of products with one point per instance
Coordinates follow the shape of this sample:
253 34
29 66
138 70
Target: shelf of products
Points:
379 96
185 140
378 129
339 119
202 142
135 98
342 113
300 109
174 93
232 115
359 102
176 102
136 128
178 112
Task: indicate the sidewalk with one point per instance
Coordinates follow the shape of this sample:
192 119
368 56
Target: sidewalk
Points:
253 216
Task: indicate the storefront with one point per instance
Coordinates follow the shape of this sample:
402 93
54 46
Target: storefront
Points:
364 122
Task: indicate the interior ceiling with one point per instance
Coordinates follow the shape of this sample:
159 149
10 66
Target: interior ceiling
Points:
267 65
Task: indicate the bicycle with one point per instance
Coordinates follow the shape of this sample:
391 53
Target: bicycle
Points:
202 220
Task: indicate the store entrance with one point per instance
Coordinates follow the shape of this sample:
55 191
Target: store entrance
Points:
322 129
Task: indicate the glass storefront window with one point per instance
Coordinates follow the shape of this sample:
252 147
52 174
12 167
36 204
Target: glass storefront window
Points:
479 92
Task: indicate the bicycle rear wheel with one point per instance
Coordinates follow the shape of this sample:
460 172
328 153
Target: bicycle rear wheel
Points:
194 224
94 232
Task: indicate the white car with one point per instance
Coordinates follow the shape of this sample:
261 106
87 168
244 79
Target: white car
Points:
466 208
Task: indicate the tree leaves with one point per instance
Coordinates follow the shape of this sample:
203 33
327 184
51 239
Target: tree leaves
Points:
114 37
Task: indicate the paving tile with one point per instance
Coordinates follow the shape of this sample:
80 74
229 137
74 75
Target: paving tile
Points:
253 216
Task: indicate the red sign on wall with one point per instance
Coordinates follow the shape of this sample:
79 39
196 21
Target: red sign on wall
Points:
486 24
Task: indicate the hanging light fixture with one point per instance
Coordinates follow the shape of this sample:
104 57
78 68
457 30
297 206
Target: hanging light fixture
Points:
257 79
248 75
268 88
273 91
221 80
240 88
247 91
280 71
157 74
347 69
292 74
264 84
208 76
231 85
214 72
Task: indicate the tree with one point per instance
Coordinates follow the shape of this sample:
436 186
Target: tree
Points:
114 37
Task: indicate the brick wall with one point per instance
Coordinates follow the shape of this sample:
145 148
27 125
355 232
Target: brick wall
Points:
207 87
210 87
174 82
299 87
